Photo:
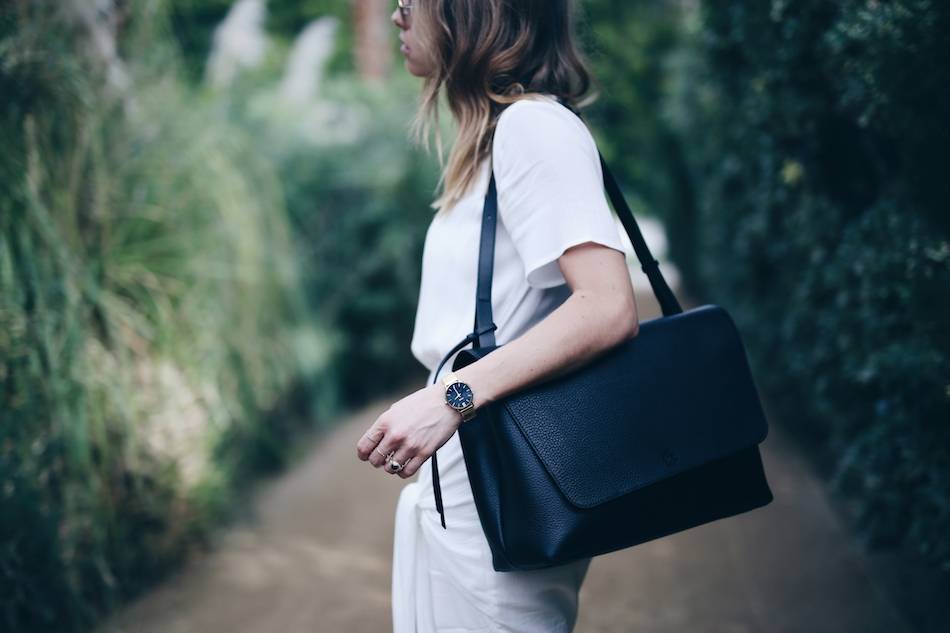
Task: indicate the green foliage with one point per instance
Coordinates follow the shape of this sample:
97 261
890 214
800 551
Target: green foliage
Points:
193 23
188 278
629 43
151 320
288 17
358 196
816 132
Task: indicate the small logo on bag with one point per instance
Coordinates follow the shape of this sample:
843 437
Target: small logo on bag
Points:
669 457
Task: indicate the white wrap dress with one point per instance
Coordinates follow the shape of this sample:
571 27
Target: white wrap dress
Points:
550 197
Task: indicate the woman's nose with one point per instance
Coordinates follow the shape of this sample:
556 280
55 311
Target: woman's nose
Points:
396 17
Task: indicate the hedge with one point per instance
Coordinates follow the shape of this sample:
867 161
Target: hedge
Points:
816 136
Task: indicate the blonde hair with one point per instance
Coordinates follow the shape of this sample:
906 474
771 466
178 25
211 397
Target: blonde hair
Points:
487 54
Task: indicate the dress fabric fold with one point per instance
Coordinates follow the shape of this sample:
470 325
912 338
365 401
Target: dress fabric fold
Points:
443 580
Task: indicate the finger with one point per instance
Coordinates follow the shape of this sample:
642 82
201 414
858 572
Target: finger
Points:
380 455
419 457
413 466
377 456
402 456
404 474
369 441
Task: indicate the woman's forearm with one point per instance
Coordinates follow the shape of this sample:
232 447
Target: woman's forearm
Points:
579 329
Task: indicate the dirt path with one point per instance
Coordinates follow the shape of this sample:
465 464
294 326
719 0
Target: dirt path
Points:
316 558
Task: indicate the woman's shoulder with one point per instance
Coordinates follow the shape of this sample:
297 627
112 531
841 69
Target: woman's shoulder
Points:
539 121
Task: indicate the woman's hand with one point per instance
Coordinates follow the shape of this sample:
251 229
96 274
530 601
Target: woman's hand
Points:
414 427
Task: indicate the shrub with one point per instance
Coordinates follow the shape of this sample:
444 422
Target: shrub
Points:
151 319
817 132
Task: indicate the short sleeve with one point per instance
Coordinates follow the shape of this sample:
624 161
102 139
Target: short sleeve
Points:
550 187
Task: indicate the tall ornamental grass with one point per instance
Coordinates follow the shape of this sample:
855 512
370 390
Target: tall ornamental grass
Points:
153 333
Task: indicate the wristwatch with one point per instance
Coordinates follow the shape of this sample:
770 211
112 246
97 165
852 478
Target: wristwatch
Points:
459 396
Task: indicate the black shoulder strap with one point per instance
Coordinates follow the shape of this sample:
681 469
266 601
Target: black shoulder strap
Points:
650 266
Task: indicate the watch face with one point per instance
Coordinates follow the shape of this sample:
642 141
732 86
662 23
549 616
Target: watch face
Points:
458 395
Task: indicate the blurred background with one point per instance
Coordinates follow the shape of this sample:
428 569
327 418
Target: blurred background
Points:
211 223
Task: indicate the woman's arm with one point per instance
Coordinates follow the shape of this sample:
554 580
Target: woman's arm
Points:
599 313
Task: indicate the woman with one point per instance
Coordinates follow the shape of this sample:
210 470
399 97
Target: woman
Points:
561 293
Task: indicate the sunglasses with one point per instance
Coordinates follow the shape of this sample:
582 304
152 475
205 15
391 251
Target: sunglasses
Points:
404 8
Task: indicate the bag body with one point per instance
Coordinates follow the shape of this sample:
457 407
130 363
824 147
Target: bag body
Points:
653 436
631 447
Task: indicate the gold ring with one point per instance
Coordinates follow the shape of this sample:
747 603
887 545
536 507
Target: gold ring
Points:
395 466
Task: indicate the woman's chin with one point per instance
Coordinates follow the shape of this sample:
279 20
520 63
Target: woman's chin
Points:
414 69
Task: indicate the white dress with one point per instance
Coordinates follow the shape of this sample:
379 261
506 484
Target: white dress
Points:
550 197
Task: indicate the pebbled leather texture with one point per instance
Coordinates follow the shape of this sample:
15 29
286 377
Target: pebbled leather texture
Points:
549 489
648 426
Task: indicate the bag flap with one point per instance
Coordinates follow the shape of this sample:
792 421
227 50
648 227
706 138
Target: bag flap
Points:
674 397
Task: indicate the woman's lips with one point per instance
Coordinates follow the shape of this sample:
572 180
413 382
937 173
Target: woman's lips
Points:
403 48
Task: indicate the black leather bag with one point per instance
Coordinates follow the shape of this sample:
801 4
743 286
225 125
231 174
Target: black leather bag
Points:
654 436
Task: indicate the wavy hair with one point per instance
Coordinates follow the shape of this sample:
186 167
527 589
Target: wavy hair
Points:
487 54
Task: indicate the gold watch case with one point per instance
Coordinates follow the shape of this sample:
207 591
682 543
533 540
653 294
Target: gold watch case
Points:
468 411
